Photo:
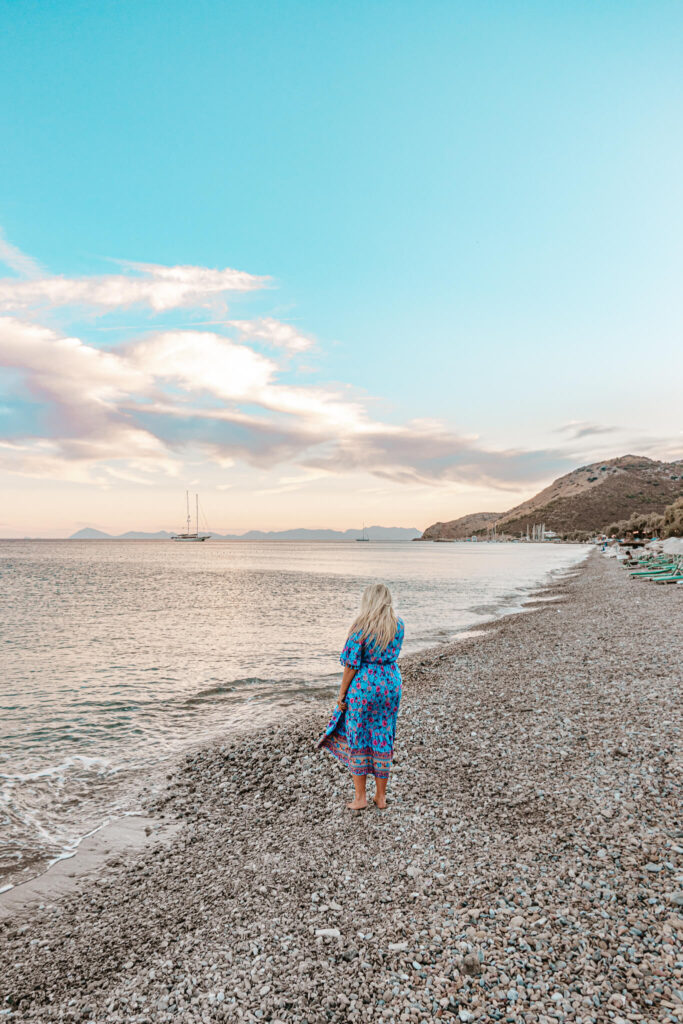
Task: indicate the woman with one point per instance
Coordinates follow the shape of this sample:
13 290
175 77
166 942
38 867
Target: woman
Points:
362 729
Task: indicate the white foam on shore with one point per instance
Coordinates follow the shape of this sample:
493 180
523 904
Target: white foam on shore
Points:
59 770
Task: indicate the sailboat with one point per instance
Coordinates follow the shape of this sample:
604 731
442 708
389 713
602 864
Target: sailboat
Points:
364 539
189 534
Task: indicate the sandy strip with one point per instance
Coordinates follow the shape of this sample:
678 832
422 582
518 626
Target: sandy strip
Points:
107 844
529 867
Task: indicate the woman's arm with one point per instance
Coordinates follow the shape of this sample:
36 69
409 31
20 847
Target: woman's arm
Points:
347 679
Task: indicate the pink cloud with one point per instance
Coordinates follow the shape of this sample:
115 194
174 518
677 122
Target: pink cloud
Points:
140 403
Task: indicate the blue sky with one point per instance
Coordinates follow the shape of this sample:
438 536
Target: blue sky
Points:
471 212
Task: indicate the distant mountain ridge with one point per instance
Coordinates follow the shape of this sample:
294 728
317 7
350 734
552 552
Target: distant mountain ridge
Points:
583 501
385 533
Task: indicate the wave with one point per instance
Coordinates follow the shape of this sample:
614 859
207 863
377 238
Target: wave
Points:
256 682
57 770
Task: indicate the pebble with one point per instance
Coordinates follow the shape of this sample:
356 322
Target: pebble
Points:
527 869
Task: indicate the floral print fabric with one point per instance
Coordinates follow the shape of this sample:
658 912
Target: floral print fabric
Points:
362 737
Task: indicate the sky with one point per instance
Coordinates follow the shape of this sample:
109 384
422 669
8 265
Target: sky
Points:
332 263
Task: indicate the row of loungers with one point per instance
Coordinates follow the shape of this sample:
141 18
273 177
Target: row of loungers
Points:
657 568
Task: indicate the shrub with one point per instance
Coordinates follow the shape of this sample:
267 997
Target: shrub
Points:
672 520
668 524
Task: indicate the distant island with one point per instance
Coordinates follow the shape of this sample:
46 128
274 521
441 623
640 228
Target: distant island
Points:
377 533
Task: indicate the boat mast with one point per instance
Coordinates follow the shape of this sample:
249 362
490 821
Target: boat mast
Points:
196 505
187 503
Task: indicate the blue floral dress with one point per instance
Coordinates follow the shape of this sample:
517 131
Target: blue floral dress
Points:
362 737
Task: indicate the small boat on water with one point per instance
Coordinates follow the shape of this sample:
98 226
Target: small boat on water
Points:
364 539
189 534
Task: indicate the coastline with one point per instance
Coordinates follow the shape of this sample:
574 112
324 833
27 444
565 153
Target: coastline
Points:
125 834
130 799
531 844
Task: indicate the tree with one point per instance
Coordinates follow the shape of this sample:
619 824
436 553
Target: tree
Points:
672 520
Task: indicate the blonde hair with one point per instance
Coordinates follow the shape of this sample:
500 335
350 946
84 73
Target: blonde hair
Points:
377 618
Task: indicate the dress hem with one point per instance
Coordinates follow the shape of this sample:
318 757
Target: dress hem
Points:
358 762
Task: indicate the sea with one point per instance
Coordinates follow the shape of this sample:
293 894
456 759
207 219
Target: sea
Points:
116 657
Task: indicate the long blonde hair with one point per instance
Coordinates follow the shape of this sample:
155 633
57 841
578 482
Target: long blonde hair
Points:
377 618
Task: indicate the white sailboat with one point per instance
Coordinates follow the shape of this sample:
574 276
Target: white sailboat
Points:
364 539
189 533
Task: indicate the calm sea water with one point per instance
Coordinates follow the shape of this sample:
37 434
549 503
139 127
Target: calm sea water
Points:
116 656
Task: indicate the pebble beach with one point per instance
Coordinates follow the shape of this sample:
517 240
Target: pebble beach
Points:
529 866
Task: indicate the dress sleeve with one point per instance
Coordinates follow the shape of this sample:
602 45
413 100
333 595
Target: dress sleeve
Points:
351 656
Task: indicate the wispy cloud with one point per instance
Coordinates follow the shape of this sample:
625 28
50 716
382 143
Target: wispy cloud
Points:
274 332
577 429
160 288
430 453
17 260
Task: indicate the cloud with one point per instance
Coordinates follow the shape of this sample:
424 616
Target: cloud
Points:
46 460
161 288
578 429
210 363
139 408
202 361
146 407
294 483
427 452
83 391
274 332
17 260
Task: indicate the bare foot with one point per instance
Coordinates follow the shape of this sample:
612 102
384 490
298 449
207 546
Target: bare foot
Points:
357 805
380 801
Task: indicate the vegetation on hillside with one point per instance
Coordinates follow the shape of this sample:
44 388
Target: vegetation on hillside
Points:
668 524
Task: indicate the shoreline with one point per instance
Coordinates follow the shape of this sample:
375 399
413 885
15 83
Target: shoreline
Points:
528 603
129 833
529 862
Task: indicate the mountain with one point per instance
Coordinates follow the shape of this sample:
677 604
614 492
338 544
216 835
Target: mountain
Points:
89 534
589 498
372 532
458 529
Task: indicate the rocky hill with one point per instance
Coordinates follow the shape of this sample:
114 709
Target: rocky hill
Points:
458 529
587 499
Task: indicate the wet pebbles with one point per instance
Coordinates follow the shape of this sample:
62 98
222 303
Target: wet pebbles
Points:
529 866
